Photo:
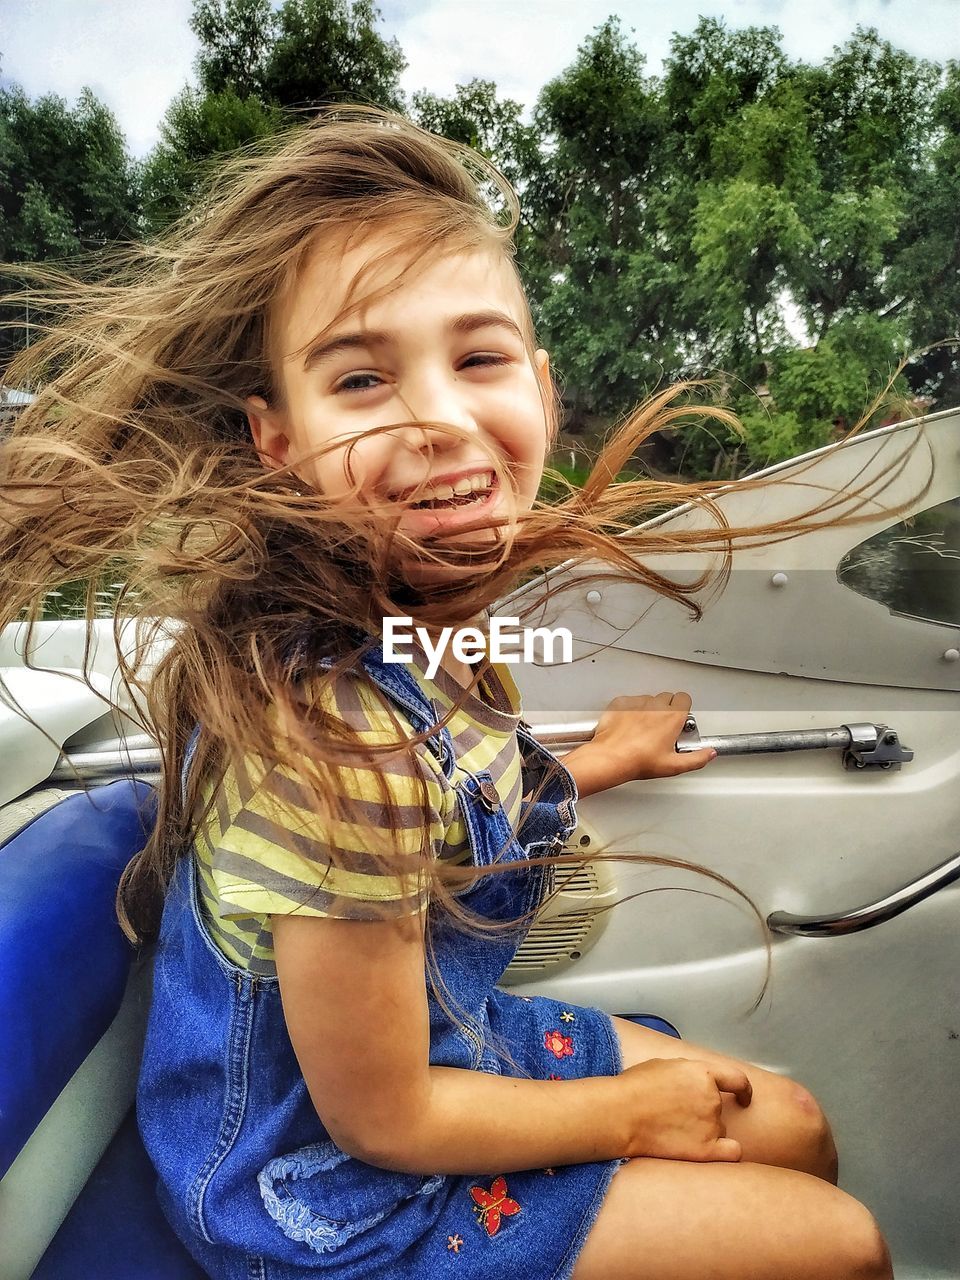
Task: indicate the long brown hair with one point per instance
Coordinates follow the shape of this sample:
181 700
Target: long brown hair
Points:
135 461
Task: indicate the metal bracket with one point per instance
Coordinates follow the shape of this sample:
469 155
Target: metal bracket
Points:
864 746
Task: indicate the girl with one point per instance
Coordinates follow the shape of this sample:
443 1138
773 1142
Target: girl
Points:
318 405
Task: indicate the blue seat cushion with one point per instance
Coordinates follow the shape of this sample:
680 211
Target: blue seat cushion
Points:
116 1229
654 1023
64 961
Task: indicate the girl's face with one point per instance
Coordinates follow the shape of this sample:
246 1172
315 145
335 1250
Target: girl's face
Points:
443 344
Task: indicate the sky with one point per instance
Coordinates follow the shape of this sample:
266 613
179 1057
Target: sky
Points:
135 56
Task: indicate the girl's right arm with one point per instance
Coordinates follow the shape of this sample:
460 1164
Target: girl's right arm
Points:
355 1004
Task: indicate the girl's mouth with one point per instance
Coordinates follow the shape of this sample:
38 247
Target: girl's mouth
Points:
449 509
471 491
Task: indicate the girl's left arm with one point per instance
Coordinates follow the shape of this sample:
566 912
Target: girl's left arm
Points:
635 738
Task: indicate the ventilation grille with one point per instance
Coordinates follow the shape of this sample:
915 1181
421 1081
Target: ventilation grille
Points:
550 943
564 930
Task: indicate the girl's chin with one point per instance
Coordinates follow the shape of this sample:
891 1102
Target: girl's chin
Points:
420 576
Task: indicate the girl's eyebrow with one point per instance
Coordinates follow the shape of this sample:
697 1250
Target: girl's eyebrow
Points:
326 348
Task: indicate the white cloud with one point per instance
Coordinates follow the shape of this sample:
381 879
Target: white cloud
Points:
136 56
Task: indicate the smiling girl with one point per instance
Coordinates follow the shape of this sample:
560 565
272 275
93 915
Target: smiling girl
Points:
318 405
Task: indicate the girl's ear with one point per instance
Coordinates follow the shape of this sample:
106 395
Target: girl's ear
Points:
548 392
269 433
541 362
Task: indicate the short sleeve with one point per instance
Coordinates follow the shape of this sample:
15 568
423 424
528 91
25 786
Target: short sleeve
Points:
267 853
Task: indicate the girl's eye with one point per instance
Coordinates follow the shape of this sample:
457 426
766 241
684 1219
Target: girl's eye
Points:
358 382
480 359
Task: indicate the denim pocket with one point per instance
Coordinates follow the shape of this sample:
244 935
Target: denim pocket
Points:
322 1197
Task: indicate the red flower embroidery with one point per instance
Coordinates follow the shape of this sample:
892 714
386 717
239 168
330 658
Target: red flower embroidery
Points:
560 1046
553 1076
490 1206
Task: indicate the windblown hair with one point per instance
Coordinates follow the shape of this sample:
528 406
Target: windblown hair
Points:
135 461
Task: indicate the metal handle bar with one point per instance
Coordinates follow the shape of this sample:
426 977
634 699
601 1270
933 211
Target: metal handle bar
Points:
744 744
113 758
864 746
866 917
140 755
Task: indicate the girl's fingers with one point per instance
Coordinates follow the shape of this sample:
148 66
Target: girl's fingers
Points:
727 1149
695 759
730 1080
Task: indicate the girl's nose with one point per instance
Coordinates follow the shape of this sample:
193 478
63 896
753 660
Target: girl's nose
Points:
437 404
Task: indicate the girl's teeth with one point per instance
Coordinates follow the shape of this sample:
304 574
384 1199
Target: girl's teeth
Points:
469 487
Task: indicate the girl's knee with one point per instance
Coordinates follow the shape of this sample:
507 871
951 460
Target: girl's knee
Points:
868 1257
784 1126
813 1136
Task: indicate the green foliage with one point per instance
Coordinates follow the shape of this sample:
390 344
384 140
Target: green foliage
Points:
710 77
605 284
744 235
301 54
235 38
837 380
853 235
476 118
925 277
870 107
67 187
66 182
675 226
329 51
256 66
771 435
198 129
816 391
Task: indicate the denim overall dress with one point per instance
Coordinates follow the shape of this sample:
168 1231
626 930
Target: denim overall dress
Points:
249 1178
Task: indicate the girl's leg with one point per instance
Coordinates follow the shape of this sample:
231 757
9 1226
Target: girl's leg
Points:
671 1220
782 1126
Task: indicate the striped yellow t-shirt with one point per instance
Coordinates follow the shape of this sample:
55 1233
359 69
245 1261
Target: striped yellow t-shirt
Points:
259 852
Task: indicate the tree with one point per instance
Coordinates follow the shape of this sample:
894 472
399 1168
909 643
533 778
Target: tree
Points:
791 197
330 51
197 130
235 39
66 182
254 66
925 277
814 391
710 77
737 155
475 117
305 53
606 285
67 185
869 111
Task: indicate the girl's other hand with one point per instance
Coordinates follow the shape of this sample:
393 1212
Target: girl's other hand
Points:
672 1107
636 737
